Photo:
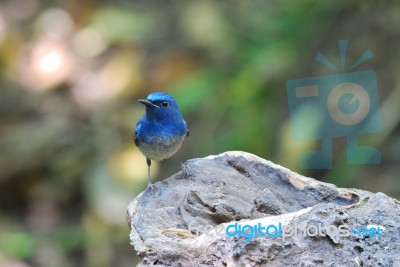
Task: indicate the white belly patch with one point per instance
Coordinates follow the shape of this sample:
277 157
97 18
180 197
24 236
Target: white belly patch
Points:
161 148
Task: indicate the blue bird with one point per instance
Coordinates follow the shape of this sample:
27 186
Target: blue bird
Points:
161 130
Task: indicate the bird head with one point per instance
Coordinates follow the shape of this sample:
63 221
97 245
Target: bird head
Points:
160 105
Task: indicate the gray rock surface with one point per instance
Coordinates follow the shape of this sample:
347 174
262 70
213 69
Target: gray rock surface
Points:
238 187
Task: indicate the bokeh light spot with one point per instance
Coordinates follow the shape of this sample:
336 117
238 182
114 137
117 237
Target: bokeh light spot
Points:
56 22
44 64
88 43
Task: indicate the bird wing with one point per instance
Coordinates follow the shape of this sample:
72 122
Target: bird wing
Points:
136 135
187 128
136 139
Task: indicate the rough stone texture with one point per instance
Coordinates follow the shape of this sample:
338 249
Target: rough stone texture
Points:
243 188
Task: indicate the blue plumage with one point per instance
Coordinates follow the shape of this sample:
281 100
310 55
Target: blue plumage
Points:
160 132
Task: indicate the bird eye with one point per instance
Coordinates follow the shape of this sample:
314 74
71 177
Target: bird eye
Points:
165 104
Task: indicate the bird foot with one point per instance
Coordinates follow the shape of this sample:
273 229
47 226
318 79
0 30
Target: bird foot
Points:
150 187
185 170
180 232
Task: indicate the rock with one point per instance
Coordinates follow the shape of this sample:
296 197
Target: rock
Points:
236 189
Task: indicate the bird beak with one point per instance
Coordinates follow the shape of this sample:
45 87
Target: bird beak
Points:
147 103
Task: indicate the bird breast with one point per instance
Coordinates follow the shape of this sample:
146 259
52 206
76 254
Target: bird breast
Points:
159 148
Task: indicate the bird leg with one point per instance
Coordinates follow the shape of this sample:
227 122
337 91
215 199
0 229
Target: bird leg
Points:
149 184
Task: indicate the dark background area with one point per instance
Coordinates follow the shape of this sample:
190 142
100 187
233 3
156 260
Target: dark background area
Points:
72 71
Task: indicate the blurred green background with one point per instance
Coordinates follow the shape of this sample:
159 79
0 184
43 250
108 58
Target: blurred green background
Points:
72 71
